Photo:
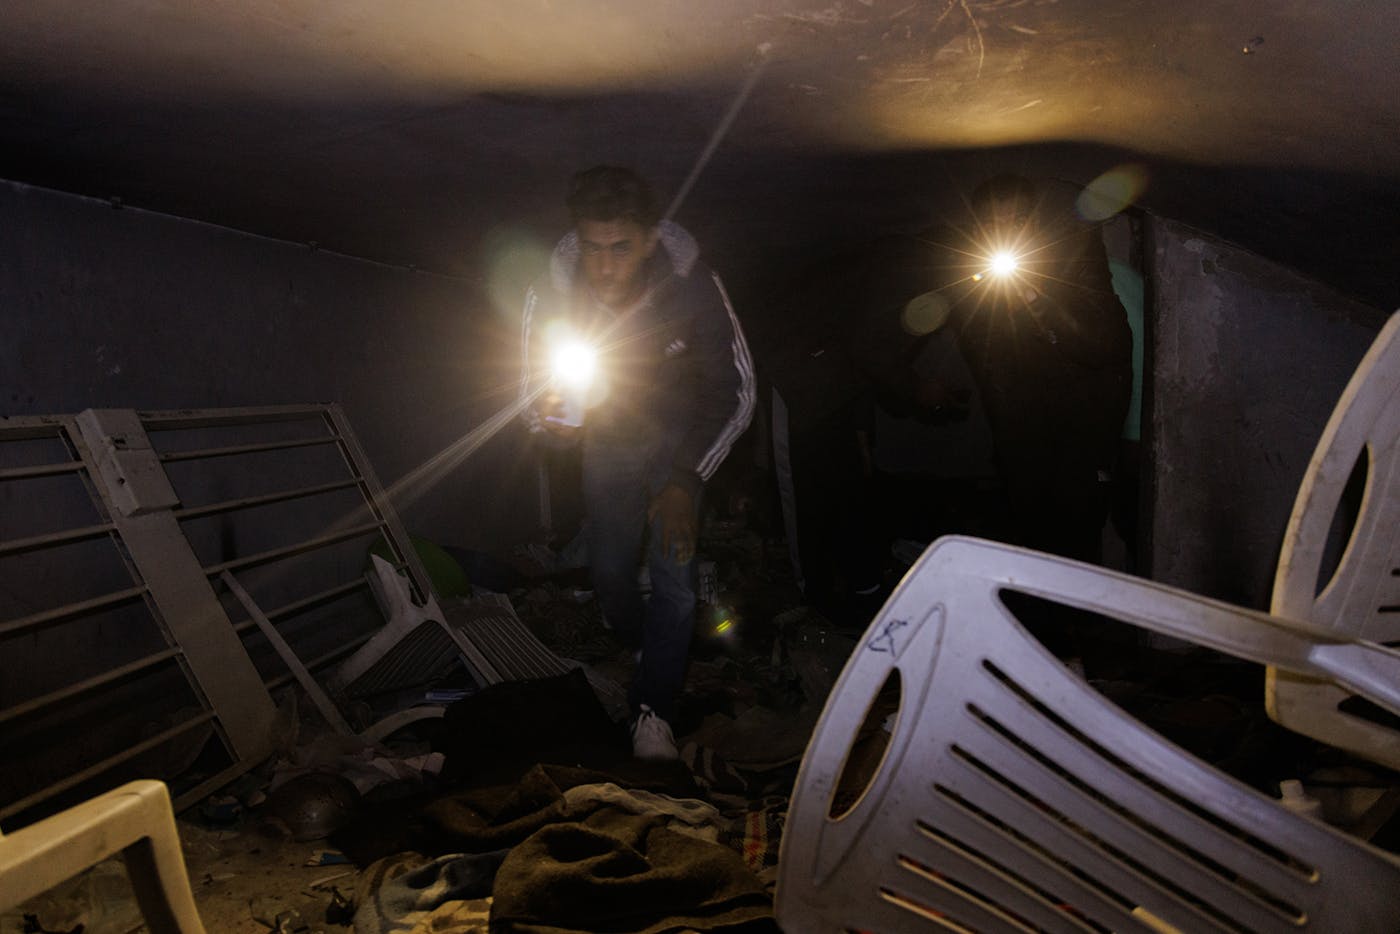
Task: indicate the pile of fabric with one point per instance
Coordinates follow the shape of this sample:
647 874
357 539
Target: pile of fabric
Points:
544 822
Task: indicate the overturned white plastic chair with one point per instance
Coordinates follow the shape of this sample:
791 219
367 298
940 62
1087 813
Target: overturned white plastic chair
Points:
1013 797
421 642
134 820
1362 597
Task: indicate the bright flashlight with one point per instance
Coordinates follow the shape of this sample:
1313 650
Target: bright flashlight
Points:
1004 263
574 364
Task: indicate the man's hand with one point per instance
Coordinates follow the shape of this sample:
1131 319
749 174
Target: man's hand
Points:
676 510
551 408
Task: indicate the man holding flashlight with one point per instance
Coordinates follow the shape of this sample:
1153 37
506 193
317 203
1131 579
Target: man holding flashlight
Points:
1049 346
634 351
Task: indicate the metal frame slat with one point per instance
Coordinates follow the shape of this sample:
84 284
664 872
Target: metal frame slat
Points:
247 502
71 609
290 551
324 658
98 768
315 599
192 796
31 427
180 419
170 457
50 539
289 657
73 690
40 470
378 503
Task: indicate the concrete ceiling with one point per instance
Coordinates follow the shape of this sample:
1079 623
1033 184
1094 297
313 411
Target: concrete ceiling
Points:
415 132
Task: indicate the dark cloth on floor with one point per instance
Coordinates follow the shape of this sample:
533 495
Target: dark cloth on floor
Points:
483 819
620 872
490 741
500 732
580 855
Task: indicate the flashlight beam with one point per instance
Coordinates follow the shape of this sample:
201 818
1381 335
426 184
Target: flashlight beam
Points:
721 131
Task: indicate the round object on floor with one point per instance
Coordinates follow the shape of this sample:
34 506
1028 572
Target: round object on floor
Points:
310 806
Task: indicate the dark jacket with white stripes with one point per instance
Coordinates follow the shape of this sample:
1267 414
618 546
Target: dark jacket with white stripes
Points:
676 368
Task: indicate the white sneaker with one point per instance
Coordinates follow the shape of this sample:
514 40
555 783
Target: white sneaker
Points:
652 738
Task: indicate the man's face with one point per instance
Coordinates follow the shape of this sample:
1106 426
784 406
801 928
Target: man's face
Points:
1006 220
613 254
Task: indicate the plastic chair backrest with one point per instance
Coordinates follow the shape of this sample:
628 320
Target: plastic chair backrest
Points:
1362 598
134 820
1013 797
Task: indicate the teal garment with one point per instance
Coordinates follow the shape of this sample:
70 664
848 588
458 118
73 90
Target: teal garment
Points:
1127 284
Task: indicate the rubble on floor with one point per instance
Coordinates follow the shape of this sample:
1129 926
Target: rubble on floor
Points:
522 805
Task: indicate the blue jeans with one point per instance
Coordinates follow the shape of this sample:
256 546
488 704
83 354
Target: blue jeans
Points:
619 482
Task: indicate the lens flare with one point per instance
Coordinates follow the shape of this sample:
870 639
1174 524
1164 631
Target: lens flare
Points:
513 260
1112 192
924 314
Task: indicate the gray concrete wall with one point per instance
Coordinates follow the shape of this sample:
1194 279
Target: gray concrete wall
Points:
1249 359
106 307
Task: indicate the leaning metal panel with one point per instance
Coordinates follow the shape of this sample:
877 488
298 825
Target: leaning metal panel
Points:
84 632
140 500
285 498
280 498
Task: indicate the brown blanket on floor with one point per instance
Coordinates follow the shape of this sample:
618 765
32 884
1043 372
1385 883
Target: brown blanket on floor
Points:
592 856
614 871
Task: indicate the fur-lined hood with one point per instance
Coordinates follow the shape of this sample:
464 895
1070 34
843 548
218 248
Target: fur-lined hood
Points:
680 246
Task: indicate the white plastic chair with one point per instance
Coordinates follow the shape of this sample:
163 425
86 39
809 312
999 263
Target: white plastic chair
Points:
1013 797
1362 598
134 820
